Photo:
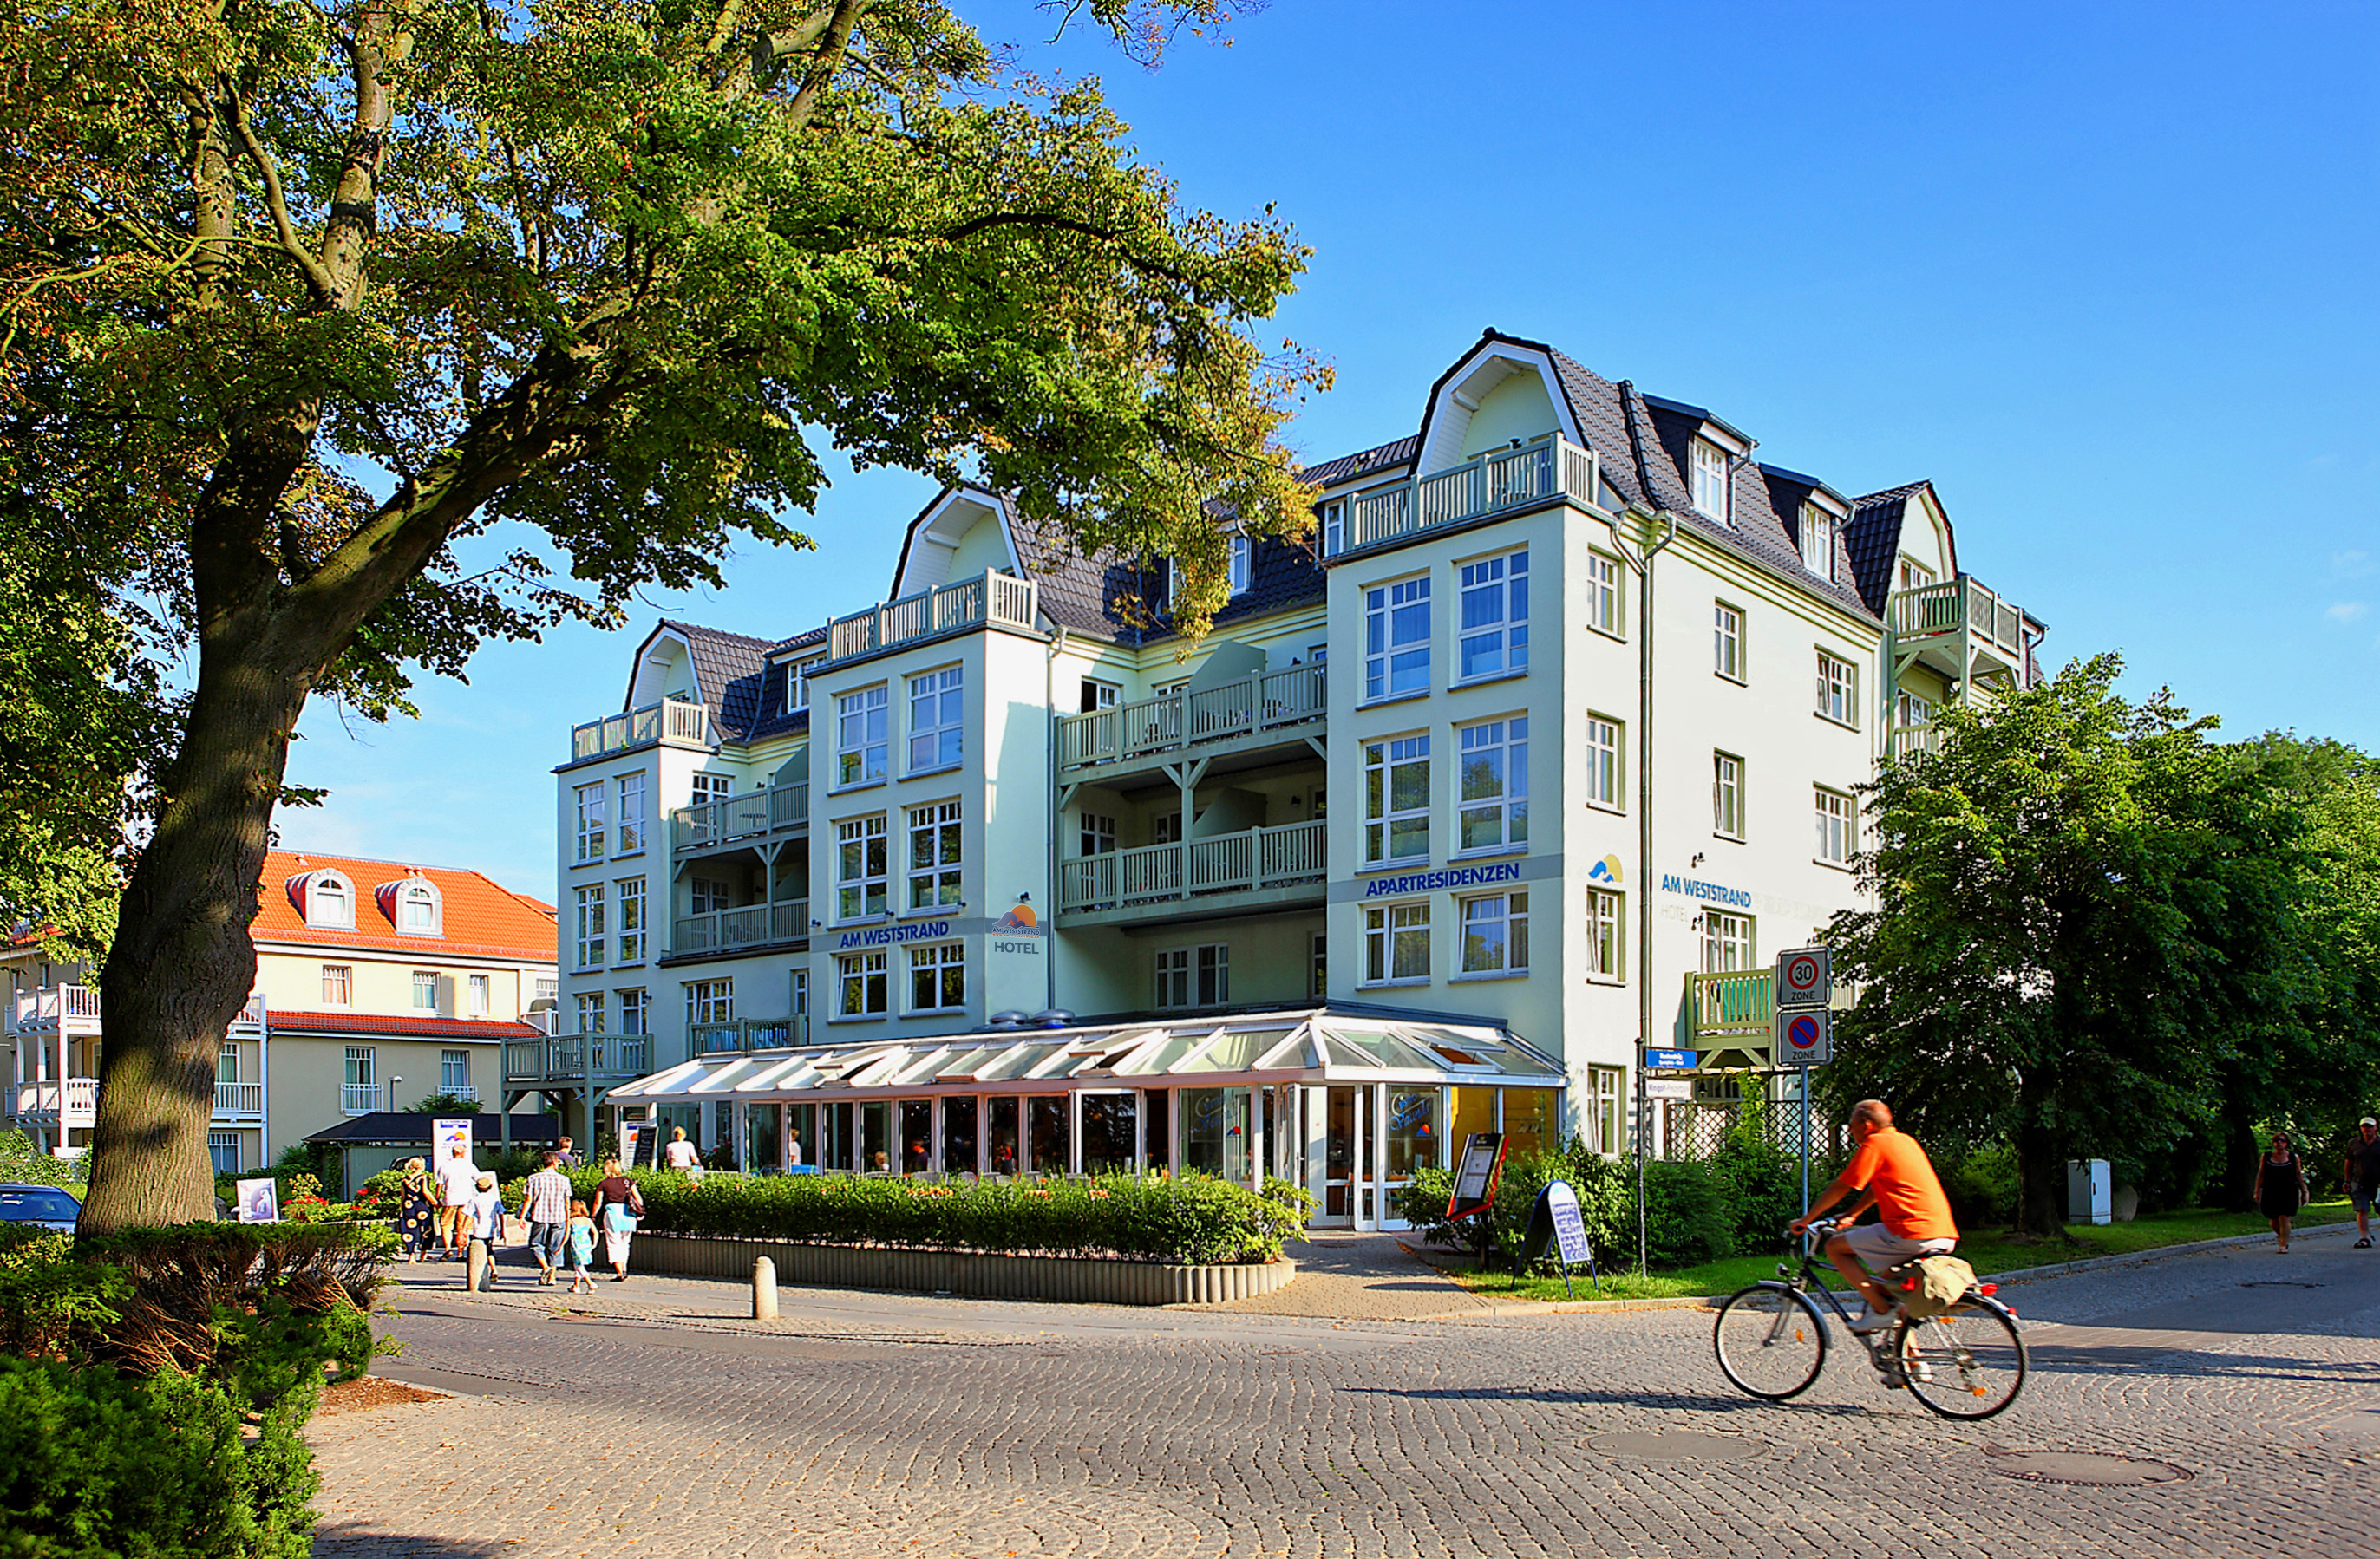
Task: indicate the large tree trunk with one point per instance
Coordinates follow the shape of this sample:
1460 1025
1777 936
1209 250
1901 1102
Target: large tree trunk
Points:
182 963
2040 1181
2236 1182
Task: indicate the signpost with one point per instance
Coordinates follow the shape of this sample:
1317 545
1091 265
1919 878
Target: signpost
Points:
1805 1028
1556 1222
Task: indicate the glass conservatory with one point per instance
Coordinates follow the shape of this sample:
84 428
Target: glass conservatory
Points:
1349 1105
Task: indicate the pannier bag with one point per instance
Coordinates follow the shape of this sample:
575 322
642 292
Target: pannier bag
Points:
1931 1285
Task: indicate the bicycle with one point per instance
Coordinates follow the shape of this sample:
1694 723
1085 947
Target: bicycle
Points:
1967 1363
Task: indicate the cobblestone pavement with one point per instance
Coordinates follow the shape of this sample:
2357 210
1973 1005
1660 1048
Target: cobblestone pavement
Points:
877 1424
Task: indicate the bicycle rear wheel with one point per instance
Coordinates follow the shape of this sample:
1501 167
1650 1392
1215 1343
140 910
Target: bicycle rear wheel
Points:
1770 1342
1968 1364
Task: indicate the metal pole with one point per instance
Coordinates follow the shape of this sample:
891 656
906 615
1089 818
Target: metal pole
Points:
1805 1141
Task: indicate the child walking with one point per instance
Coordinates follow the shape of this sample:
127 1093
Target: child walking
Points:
581 1236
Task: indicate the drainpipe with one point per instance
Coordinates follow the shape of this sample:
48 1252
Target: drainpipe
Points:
1050 895
1640 556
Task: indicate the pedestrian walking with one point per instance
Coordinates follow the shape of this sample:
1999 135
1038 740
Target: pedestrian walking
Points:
680 1153
545 1205
416 1211
2280 1187
483 1228
569 1158
2363 1178
457 1176
618 1205
582 1249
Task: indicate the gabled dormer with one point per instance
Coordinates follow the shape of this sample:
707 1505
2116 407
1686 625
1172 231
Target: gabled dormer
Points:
325 898
413 905
1709 452
962 532
1502 394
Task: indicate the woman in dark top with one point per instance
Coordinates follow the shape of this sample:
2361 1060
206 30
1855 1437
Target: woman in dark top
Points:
2280 1186
618 1205
416 1211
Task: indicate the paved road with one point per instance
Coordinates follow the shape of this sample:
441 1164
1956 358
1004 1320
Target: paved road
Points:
872 1424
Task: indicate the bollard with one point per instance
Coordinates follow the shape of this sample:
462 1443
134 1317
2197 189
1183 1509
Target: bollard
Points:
764 1288
476 1257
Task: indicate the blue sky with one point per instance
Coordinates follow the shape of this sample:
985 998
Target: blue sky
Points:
2103 273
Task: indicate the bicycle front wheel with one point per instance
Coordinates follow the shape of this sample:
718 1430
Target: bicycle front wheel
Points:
1770 1342
1968 1364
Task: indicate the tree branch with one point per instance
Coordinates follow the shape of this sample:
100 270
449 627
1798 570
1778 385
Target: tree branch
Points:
827 61
318 280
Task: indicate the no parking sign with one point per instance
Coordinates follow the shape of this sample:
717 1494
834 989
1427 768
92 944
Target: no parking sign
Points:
1805 1039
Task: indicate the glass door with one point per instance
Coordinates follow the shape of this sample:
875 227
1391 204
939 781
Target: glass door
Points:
875 1139
916 1136
958 1136
1339 1155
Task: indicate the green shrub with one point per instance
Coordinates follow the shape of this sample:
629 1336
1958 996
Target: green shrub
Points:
1687 1218
23 1164
1194 1220
1981 1188
97 1462
1607 1206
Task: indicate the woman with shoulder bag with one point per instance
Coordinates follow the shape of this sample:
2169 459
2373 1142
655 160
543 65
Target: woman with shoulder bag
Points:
618 1205
2280 1187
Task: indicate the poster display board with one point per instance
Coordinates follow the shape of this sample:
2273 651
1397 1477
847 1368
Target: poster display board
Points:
1555 1225
1475 1173
629 1136
446 1135
259 1201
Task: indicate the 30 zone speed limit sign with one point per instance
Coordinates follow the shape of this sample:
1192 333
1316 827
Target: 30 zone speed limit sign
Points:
1805 1039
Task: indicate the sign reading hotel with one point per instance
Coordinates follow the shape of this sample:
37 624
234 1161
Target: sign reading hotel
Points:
1018 931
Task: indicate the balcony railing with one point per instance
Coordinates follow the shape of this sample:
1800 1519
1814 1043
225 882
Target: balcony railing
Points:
1960 606
239 1098
42 1011
250 1016
1268 701
672 719
755 815
1550 467
1906 739
360 1098
754 926
747 1034
994 598
567 1057
75 1102
1281 857
1735 1009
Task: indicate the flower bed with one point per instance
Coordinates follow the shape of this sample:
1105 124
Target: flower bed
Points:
1191 1222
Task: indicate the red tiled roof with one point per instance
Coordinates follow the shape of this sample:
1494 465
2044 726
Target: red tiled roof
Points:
423 1027
481 916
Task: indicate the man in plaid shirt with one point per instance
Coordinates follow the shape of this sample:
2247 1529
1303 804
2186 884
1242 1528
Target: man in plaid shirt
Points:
546 1205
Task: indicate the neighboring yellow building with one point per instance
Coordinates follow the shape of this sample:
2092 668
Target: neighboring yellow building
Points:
378 985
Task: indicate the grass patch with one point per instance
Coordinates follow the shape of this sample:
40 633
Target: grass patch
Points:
1989 1253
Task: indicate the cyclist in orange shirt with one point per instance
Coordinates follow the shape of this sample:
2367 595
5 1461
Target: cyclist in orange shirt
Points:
1891 1173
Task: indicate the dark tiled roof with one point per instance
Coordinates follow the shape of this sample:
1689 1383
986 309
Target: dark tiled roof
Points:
404 1128
1873 539
1348 468
1096 595
728 667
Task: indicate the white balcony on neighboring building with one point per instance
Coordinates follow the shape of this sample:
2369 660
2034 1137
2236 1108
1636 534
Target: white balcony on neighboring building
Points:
239 1101
992 599
361 1098
70 1009
673 722
57 1103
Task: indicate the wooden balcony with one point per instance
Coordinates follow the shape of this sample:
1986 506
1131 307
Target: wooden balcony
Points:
1544 469
993 598
747 1034
73 1101
778 812
754 926
1736 1010
674 721
1290 702
574 1057
1960 629
1227 871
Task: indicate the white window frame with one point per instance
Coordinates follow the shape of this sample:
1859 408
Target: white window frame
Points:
360 1065
1198 975
1709 476
1508 913
938 719
424 979
339 912
1498 583
482 996
1606 606
1817 540
636 1010
705 788
1603 1115
1837 824
1727 641
797 683
421 895
591 926
863 985
1334 528
1727 795
1383 818
1915 575
1505 813
862 859
1607 763
1096 834
934 882
939 964
1397 667
707 896
1238 564
711 1001
591 829
1607 940
632 823
339 978
454 1070
1837 690
863 736
1397 933
629 920
1318 965
1731 943
1097 695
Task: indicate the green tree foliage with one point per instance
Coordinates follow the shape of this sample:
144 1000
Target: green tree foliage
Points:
303 301
2091 921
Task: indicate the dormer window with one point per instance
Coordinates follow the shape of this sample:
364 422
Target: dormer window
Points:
798 684
1239 564
1334 528
327 900
1710 478
417 910
1817 541
1915 575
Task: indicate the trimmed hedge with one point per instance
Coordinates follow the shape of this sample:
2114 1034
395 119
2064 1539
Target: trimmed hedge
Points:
1193 1221
1692 1212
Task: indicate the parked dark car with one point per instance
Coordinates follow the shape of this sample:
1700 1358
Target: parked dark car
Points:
42 1206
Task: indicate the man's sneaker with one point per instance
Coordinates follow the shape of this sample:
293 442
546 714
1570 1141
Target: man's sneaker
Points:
1873 1320
2364 1243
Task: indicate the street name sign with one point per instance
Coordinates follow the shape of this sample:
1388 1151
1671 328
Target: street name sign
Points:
1668 1088
1804 978
1674 1060
1805 1039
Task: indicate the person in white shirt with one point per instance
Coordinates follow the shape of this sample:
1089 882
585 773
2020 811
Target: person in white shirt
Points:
456 1178
483 1226
680 1153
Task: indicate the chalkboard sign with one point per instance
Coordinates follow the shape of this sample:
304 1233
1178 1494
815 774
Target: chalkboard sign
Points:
1475 1173
1555 1225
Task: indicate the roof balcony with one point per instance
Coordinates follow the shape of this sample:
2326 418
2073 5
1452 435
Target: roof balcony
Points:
1964 631
1227 873
1546 468
993 598
778 812
675 723
1267 709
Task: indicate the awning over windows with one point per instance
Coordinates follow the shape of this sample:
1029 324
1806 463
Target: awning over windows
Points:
1311 1046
